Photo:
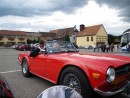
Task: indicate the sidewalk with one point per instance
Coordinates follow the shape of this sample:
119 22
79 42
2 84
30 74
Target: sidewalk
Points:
118 53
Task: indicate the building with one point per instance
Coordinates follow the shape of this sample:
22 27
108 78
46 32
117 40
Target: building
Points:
33 36
92 34
45 36
116 41
12 37
71 32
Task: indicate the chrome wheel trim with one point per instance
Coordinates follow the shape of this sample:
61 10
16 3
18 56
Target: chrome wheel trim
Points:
25 67
72 81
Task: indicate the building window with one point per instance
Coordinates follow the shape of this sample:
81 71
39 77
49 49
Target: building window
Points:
87 38
101 38
91 38
20 36
10 36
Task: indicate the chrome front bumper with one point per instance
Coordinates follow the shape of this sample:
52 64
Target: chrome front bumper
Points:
109 93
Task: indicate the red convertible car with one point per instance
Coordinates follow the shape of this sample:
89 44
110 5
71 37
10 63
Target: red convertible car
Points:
91 74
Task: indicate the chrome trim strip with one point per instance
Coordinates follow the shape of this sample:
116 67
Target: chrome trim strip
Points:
109 93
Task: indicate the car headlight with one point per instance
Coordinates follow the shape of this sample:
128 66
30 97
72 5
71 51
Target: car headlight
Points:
110 74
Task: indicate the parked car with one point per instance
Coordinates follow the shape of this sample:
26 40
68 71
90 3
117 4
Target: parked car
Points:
17 45
81 47
24 47
91 74
89 47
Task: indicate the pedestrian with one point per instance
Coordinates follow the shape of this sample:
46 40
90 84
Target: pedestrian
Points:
111 47
107 48
101 47
94 47
98 47
116 48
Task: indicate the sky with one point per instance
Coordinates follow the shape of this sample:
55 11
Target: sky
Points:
46 15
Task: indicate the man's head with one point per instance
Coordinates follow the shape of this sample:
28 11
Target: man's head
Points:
56 46
41 44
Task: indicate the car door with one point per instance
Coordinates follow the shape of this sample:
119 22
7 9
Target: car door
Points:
37 64
53 66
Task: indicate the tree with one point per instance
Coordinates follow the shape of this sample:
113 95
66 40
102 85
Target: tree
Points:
35 41
66 38
111 38
31 41
28 41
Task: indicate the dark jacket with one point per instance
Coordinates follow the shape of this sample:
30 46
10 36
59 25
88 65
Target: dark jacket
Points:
34 52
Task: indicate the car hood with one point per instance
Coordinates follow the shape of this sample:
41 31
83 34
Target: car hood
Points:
96 58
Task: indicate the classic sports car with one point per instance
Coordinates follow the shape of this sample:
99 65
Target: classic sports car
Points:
91 74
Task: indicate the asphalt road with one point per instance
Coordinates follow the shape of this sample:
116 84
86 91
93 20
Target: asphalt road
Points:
25 87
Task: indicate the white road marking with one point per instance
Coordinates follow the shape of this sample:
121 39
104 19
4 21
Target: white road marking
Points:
11 71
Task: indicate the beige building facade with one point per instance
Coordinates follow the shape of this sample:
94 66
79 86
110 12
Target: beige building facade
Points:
12 37
88 36
33 36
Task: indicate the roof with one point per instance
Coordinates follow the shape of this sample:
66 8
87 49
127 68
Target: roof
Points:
60 33
47 34
90 31
33 34
14 33
116 40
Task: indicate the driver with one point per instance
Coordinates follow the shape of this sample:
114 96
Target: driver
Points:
56 47
41 45
36 51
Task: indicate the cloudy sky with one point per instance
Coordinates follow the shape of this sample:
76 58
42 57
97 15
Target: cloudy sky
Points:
46 15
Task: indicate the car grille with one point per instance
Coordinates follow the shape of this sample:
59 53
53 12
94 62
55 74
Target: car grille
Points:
125 69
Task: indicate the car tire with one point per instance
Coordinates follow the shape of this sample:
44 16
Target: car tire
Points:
75 78
25 68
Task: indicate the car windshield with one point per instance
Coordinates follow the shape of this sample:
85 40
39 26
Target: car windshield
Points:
60 46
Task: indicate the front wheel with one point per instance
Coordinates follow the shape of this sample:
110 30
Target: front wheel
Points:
76 79
25 68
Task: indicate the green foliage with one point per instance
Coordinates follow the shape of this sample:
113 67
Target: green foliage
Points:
111 38
31 41
1 36
35 41
66 38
